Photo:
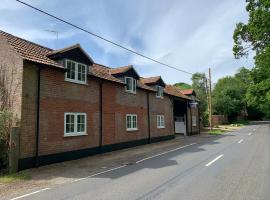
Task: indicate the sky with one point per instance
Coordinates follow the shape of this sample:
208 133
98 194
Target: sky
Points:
191 35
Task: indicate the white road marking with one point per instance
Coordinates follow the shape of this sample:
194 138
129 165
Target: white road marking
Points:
26 195
250 134
103 172
160 154
210 163
240 141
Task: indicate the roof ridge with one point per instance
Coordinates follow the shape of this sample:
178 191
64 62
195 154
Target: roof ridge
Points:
65 48
9 34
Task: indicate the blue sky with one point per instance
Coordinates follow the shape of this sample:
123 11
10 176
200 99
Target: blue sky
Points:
191 35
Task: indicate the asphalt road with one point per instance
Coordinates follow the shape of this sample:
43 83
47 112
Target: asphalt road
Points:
235 166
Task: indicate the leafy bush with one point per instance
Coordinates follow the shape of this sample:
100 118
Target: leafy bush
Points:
5 124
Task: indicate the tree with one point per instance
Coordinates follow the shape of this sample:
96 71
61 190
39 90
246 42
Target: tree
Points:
199 86
255 35
229 97
183 86
9 84
258 94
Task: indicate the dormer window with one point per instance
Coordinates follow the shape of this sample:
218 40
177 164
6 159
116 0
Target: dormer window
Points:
130 84
76 72
159 91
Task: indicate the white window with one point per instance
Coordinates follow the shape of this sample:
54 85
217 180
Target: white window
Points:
159 91
75 124
131 122
130 84
76 72
160 121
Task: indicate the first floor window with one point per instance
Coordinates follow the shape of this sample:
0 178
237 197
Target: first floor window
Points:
131 122
76 72
160 121
159 91
130 84
75 124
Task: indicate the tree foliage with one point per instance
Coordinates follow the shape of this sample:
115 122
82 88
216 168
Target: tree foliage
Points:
199 86
183 86
255 35
229 97
258 94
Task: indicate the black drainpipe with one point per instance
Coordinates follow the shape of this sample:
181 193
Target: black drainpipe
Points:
199 115
187 121
37 120
101 114
173 117
190 120
148 118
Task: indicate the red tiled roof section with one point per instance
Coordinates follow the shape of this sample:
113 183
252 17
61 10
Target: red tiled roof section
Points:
175 91
150 80
187 91
29 50
103 72
120 69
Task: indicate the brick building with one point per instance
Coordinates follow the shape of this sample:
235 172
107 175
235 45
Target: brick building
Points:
70 107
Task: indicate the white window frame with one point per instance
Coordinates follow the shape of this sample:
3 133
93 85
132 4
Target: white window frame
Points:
76 80
159 88
160 121
75 133
133 85
132 128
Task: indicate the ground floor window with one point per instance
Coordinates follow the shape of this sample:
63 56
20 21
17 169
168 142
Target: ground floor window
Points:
75 124
131 122
160 121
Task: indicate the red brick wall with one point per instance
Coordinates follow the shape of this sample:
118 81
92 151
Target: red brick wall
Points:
116 104
29 111
57 97
161 106
11 64
193 112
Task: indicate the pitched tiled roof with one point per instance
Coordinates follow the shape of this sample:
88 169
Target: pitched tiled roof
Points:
150 80
39 54
120 69
29 50
187 91
175 91
103 72
63 50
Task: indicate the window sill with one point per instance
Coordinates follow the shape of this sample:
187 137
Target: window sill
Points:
75 134
77 82
130 92
134 129
161 127
159 97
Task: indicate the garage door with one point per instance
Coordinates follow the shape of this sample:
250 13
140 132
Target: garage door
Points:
180 125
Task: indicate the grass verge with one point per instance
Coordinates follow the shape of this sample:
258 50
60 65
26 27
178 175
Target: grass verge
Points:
9 178
216 132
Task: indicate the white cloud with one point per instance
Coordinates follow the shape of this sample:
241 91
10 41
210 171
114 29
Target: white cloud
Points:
192 35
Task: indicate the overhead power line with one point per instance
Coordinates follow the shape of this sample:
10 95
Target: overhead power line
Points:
102 38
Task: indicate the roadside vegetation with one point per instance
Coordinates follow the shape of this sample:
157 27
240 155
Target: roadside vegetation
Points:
10 178
9 85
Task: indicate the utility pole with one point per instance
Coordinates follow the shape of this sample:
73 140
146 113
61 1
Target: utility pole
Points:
210 100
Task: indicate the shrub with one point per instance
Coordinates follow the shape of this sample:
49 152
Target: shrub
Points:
5 127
